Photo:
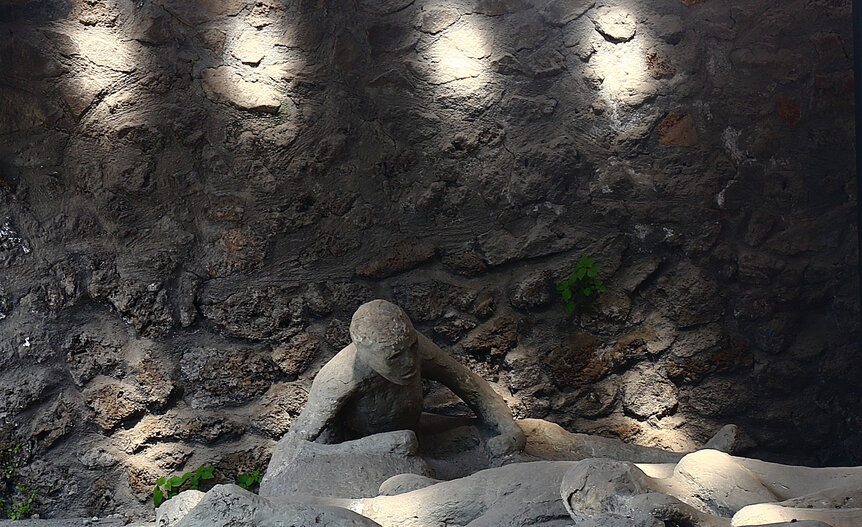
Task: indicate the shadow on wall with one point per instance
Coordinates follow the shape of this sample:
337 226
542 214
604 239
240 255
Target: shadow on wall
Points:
210 188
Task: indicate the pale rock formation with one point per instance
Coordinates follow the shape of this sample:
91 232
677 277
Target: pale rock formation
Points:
175 509
229 505
707 488
353 469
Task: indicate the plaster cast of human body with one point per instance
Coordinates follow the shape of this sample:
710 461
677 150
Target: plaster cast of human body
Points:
705 489
375 384
369 397
709 488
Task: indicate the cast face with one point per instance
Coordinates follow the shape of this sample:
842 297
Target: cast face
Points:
398 364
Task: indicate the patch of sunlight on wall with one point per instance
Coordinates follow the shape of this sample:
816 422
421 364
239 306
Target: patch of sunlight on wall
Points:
98 91
105 48
251 46
457 57
623 68
260 63
111 56
668 439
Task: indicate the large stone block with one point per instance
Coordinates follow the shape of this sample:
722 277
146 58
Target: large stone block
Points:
352 469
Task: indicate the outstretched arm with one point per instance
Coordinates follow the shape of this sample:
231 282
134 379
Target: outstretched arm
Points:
476 392
331 389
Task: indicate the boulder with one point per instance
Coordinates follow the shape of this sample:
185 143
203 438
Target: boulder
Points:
648 393
604 491
175 509
353 469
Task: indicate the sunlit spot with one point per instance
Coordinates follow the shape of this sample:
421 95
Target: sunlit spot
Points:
249 75
258 68
458 56
104 89
110 56
622 69
453 63
617 53
251 47
657 470
469 42
672 439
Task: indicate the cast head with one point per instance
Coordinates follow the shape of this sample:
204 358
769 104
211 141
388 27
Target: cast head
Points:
385 340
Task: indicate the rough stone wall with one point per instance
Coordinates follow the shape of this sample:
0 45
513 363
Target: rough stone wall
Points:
197 194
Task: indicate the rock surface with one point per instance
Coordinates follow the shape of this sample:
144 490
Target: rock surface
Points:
229 505
770 514
175 509
196 196
353 469
706 488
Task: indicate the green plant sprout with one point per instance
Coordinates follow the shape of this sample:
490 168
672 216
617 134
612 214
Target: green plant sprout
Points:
17 500
21 510
250 481
10 462
580 289
167 488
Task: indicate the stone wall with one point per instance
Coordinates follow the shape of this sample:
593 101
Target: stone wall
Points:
197 194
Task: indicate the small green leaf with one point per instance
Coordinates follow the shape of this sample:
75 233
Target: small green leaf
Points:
176 481
570 308
158 497
160 482
587 291
567 295
562 286
581 272
592 272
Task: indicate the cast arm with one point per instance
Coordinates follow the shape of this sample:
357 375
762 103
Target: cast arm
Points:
332 388
477 393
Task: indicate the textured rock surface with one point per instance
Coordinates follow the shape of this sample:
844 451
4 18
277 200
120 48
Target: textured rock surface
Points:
704 489
353 469
769 514
195 196
229 505
175 509
708 488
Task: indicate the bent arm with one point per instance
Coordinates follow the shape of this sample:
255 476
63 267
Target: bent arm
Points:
473 390
331 389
